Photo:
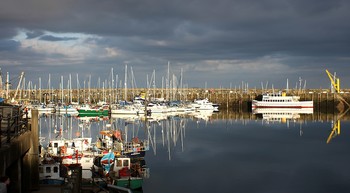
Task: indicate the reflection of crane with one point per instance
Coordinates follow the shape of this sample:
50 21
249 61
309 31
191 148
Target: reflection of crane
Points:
335 131
336 127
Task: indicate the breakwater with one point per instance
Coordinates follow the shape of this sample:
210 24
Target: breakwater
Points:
227 98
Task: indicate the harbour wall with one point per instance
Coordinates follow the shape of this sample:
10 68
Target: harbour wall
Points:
227 98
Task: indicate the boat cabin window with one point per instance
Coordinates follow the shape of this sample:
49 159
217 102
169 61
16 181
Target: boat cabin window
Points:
55 169
48 169
55 145
119 163
125 163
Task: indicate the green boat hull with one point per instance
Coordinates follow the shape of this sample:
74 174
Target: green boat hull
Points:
93 112
133 183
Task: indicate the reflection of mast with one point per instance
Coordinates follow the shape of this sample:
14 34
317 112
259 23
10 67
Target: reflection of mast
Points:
168 133
171 130
149 136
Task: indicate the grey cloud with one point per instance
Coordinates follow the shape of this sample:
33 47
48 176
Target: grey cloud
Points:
303 34
54 38
8 45
34 34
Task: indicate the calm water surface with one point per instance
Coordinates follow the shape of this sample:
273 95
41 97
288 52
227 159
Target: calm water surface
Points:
217 154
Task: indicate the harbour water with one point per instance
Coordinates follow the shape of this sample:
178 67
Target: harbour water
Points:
227 151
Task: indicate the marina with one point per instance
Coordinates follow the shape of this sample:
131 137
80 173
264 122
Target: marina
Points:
174 97
176 144
134 140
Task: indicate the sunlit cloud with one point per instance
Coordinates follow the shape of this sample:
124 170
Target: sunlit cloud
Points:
69 46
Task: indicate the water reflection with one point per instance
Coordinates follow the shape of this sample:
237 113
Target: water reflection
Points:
172 127
281 115
256 154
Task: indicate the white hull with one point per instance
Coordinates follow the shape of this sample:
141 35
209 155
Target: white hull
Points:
283 110
67 111
45 110
299 104
126 111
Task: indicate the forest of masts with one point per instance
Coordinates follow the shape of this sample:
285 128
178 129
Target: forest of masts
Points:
114 89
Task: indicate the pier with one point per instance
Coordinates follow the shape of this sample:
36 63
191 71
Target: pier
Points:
19 152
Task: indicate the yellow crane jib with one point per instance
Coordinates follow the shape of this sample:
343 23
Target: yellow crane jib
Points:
335 81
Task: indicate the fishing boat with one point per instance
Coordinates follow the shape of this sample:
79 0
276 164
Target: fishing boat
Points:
126 174
62 147
280 100
112 140
50 173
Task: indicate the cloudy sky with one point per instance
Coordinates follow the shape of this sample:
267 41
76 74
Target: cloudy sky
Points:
216 43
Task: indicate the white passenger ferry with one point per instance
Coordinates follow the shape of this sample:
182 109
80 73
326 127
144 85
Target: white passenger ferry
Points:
280 100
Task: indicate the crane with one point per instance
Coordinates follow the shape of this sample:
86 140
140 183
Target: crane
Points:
19 83
335 81
336 84
336 126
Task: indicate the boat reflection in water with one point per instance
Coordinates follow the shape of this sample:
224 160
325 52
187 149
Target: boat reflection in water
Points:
282 115
186 143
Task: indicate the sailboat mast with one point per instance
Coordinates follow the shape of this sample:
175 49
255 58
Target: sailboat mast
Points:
112 87
62 100
7 85
168 83
1 86
181 86
89 84
39 89
78 95
125 82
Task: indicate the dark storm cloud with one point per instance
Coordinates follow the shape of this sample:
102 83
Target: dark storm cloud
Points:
53 38
8 45
34 34
302 36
